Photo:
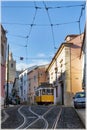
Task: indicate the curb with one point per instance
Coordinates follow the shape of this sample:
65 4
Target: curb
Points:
81 117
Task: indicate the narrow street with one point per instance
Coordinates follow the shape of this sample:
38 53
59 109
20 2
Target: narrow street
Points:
39 117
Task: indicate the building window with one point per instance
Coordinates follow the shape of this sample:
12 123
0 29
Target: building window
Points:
29 84
41 74
34 78
52 73
11 65
2 49
51 77
24 91
48 78
21 79
61 60
34 87
21 87
24 82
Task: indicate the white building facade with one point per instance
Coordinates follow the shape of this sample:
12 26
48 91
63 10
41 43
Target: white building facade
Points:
23 86
56 68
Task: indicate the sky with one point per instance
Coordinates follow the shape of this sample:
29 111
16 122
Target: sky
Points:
36 33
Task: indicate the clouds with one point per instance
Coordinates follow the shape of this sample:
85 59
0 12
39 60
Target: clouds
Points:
41 55
40 59
22 66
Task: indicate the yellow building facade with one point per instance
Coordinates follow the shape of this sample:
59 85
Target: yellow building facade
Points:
65 70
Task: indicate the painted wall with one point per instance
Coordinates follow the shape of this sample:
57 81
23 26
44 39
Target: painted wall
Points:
23 86
76 64
74 67
3 47
35 78
69 69
59 63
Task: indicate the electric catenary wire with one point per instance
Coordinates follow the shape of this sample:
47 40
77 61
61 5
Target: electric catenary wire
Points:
50 23
82 9
47 8
31 29
39 7
71 22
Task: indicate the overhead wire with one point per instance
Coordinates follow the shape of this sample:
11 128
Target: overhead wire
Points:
47 8
56 24
33 58
19 36
39 7
31 26
50 24
81 13
20 45
68 6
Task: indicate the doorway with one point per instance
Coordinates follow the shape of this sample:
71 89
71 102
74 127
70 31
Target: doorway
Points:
62 92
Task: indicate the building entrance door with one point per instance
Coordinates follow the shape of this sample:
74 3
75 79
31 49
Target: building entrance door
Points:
62 92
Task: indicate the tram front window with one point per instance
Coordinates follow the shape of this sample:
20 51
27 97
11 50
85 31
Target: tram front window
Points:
50 91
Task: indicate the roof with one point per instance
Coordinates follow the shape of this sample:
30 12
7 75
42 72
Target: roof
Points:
28 69
61 46
3 28
45 85
36 67
71 35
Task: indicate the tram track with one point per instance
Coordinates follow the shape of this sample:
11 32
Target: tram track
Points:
27 116
22 116
12 118
6 116
41 117
57 119
52 116
27 124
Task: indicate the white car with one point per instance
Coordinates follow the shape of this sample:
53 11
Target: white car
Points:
79 100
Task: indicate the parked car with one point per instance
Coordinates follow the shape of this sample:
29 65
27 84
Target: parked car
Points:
79 100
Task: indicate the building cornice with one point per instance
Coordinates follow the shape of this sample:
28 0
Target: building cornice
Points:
58 52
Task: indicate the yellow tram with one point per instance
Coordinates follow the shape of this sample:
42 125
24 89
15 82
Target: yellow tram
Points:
44 94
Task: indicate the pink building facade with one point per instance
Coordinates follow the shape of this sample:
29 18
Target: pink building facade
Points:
3 45
35 78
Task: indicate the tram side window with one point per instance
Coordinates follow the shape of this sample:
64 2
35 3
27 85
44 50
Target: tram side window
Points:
40 92
43 92
37 93
48 91
52 91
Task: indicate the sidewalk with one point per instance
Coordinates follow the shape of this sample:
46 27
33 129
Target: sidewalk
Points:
82 115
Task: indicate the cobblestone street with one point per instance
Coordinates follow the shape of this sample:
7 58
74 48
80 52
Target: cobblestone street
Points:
40 117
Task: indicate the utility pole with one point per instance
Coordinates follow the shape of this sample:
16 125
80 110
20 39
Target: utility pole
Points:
7 100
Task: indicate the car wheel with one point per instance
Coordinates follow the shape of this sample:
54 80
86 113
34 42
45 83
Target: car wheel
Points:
75 106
